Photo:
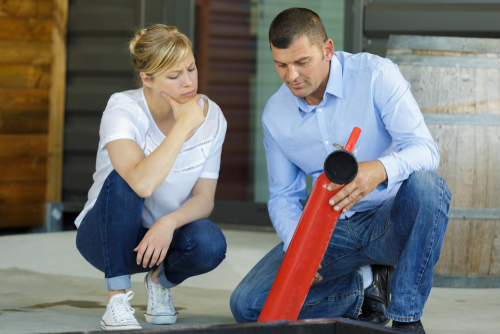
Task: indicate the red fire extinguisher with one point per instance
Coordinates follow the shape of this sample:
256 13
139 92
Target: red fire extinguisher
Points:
311 238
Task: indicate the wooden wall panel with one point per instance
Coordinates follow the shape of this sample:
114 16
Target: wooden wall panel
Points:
32 82
469 161
19 146
56 106
25 29
22 192
24 76
21 215
24 99
23 122
25 52
41 9
226 60
23 169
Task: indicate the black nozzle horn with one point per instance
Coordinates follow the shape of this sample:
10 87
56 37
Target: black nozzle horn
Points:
341 167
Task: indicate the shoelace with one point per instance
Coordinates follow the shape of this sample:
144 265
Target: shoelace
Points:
163 297
122 311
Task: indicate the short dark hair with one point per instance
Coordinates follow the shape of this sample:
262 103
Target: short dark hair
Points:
293 23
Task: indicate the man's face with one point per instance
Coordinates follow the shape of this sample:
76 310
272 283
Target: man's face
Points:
303 66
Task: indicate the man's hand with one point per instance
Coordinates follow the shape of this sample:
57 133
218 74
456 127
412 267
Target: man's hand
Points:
155 243
317 278
370 175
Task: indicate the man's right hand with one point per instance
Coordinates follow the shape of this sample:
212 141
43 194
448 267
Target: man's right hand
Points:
189 114
317 278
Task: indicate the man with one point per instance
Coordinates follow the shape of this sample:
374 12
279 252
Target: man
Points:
393 212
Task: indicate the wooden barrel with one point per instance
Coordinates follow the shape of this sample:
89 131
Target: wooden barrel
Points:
456 82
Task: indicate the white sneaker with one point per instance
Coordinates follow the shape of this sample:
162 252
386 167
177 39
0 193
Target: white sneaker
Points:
119 314
161 309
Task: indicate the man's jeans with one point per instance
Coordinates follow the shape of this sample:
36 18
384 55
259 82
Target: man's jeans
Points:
110 231
407 231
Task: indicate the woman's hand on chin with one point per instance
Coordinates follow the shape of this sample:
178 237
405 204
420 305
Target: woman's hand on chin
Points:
189 113
154 246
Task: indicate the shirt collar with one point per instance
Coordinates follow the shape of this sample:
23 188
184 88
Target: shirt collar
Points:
333 87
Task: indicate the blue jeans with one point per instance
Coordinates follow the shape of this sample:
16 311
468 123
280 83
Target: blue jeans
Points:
408 231
112 229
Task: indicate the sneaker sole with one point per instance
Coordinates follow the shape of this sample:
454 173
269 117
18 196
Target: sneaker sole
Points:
161 319
119 328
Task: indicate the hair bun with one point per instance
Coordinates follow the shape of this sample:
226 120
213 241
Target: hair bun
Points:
136 38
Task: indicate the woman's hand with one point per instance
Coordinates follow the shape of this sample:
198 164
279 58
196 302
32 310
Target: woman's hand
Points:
189 114
154 246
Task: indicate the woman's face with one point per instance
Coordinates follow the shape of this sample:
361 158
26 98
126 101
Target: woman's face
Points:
179 82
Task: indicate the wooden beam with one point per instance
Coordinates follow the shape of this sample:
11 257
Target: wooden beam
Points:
24 76
21 215
25 52
23 146
24 99
26 8
22 192
23 122
25 29
56 101
23 169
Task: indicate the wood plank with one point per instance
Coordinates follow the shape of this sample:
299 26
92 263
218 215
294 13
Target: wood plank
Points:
23 122
466 144
25 29
26 8
481 247
495 251
25 52
462 238
24 76
17 146
24 99
21 215
23 169
56 106
444 265
22 192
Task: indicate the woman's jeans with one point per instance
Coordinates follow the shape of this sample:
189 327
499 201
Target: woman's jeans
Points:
112 229
407 231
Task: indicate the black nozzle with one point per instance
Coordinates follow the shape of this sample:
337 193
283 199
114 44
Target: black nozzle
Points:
341 167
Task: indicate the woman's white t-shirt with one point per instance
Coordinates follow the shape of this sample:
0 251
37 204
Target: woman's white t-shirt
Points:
127 116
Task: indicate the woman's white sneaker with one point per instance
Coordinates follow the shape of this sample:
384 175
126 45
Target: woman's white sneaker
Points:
119 314
161 309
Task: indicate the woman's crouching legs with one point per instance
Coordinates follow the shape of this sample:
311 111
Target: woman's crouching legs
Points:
111 230
196 248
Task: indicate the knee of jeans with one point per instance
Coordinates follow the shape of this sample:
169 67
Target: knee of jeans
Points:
208 243
121 189
427 186
239 303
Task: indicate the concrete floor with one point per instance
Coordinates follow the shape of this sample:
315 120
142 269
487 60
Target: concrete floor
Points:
46 286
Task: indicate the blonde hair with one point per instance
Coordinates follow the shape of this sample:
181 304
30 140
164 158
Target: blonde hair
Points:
158 48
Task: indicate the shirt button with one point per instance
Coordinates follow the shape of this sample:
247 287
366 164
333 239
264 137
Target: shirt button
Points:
326 142
320 110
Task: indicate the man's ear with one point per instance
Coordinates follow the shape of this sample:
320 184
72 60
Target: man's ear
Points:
146 80
328 49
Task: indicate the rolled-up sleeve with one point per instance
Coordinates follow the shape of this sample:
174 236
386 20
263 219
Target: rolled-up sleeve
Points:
405 123
287 189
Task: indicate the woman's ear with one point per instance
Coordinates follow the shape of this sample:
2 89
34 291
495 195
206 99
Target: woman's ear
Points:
146 80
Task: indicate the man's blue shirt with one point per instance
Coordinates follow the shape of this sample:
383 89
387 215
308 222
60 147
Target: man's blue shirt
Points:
363 90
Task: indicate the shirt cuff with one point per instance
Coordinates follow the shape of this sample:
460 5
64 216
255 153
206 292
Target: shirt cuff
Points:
391 169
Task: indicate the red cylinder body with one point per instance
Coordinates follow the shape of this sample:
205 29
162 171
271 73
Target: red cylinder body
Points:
305 252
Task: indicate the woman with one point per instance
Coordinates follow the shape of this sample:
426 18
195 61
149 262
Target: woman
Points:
156 173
